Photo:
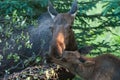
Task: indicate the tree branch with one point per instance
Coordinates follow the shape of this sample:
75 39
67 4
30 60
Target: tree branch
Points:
97 15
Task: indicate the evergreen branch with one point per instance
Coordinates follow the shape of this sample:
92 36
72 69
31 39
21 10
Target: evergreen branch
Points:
97 15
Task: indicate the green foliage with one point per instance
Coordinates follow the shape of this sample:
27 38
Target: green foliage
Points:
30 8
77 78
1 57
15 17
13 37
111 6
13 56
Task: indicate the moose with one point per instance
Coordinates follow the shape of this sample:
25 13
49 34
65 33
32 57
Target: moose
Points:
62 33
103 67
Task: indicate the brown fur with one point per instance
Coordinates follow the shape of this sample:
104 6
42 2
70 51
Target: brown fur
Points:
104 67
63 35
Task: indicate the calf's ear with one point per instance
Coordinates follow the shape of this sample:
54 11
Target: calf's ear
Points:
89 63
51 10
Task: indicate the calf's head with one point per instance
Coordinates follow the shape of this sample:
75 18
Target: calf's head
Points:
73 61
63 35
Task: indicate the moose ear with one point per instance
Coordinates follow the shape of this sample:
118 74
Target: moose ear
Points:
51 10
74 8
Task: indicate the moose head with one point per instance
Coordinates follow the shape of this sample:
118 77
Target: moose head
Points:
63 35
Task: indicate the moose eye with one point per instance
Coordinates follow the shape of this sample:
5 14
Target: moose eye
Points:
70 27
51 28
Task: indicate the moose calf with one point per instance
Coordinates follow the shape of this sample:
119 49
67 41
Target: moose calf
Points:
104 67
